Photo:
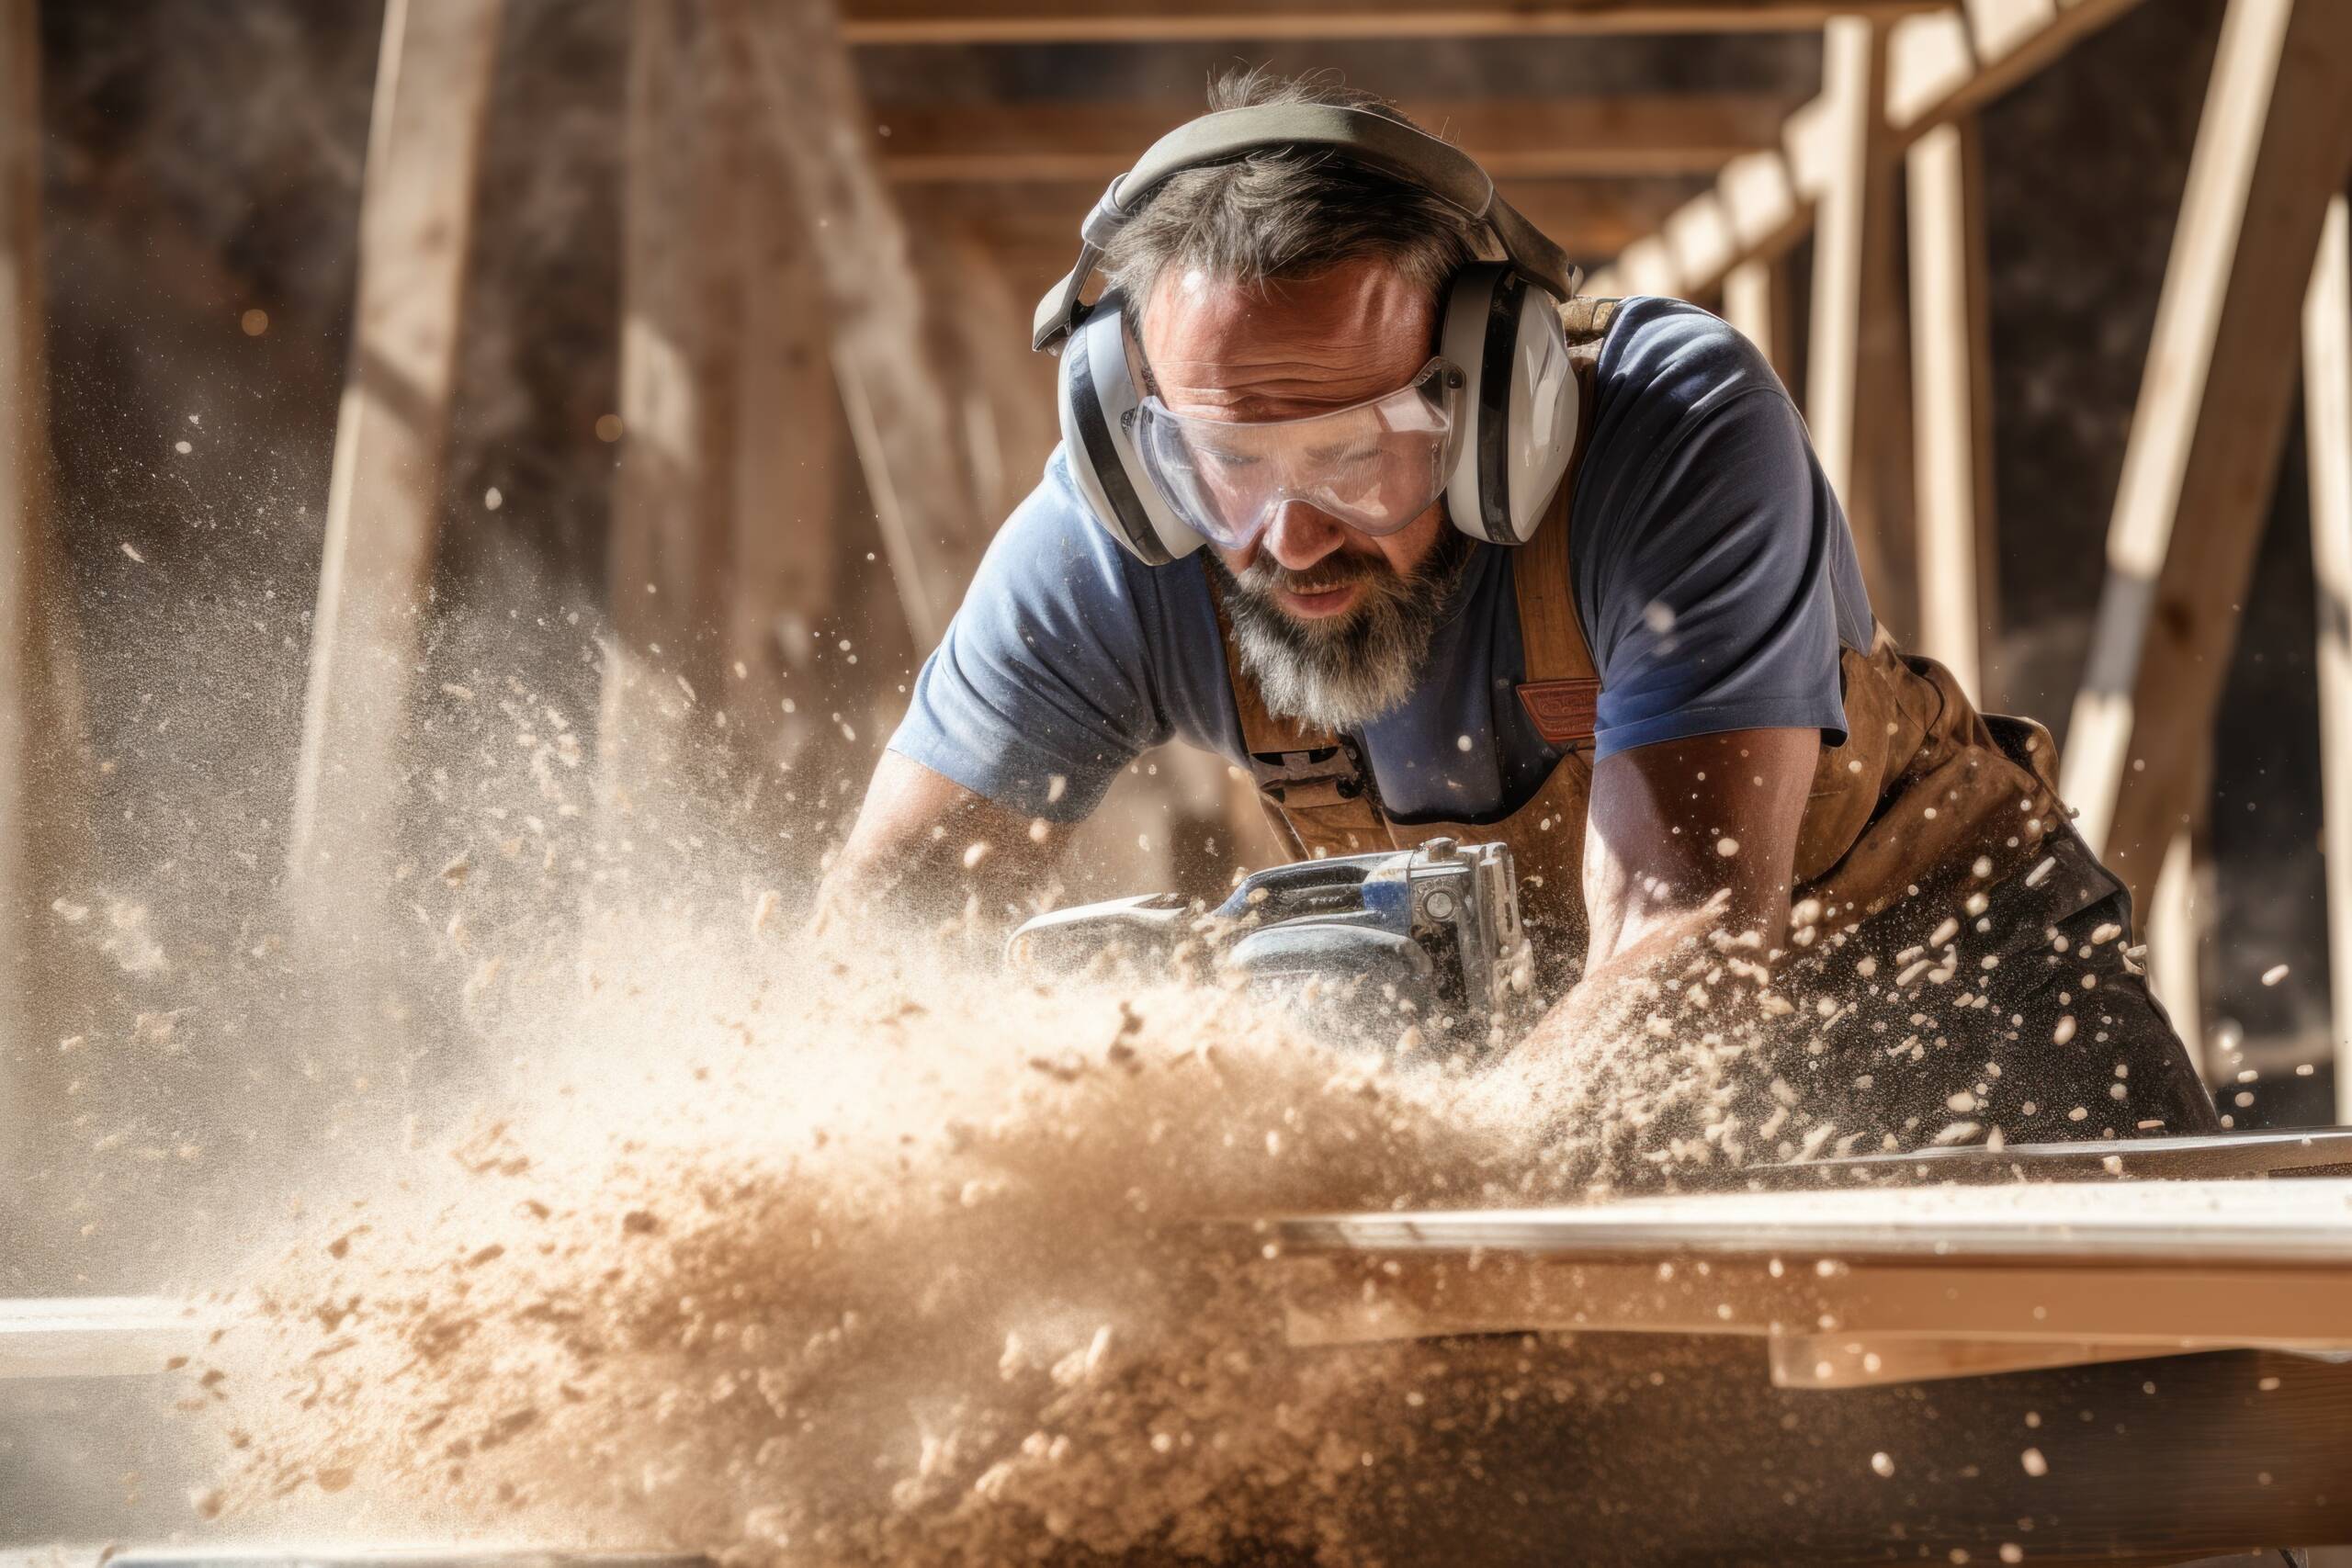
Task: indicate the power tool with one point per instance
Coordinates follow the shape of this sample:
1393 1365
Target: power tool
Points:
1419 950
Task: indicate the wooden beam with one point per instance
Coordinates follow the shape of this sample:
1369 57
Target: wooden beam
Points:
1756 300
2327 410
1855 397
2178 916
43 822
2271 149
787 526
1143 21
1646 133
899 411
1952 408
682 333
1034 231
1941 65
415 213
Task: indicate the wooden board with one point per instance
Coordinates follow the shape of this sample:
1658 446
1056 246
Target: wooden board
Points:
431 103
2327 410
1135 21
1632 133
1951 404
1857 394
44 774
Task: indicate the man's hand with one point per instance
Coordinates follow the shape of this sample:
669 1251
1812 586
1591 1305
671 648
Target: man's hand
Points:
1690 837
924 844
1689 842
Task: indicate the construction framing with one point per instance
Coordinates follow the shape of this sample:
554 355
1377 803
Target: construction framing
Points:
1895 390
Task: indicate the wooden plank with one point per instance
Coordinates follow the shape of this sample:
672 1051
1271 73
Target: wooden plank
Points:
96 1337
2177 919
1632 133
1756 300
899 413
2184 1224
43 824
2271 149
1141 21
2327 410
682 298
432 99
1952 408
1034 236
1855 399
1941 66
786 527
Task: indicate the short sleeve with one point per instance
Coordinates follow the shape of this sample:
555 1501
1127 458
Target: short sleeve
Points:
1713 565
1043 674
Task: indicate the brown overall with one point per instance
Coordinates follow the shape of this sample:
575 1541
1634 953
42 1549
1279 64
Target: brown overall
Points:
1924 803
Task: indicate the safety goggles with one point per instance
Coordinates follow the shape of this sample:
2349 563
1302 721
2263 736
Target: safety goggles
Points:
1374 465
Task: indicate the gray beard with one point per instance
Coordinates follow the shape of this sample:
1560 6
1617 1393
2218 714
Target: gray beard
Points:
1342 672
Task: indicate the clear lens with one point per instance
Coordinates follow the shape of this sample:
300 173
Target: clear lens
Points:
1374 466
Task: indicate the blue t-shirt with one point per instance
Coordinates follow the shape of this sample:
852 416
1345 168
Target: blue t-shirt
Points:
1714 576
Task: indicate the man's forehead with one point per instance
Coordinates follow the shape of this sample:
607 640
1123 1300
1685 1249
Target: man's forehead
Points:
1255 351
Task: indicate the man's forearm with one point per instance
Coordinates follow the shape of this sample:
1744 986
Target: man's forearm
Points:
925 846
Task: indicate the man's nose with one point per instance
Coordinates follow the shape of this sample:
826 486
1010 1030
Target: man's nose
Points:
1300 535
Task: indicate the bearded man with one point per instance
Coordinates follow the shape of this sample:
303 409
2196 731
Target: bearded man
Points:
1671 701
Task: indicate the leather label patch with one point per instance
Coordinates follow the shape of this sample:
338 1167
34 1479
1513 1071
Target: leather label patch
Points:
1564 711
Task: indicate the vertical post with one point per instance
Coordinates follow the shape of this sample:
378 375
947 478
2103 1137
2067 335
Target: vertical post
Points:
681 302
899 413
415 211
2271 149
1756 300
2176 923
1855 389
40 827
2328 409
1951 404
786 531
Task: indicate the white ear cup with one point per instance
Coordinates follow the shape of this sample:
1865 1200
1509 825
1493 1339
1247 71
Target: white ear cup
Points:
1098 398
1520 417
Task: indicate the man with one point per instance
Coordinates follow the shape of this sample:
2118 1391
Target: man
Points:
1756 749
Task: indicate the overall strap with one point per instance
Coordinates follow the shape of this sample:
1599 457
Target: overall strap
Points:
1562 691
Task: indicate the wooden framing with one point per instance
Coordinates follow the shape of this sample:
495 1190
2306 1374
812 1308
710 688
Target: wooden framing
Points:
1940 66
900 415
1756 300
1033 232
42 821
2271 149
2177 921
2327 410
682 335
1952 405
1646 133
1855 395
785 533
415 213
1141 21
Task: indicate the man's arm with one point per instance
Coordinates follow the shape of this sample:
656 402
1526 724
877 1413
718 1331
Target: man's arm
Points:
923 844
1688 838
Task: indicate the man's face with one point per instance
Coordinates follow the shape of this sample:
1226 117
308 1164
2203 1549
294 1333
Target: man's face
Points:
1224 351
1334 624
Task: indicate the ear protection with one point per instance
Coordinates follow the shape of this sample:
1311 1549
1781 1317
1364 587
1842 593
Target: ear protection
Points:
1498 324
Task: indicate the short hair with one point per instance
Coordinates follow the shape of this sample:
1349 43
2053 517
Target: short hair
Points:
1292 212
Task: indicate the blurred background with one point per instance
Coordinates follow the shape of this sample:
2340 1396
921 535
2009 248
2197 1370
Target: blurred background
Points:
620 394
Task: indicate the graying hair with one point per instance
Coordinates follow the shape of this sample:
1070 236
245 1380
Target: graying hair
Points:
1290 213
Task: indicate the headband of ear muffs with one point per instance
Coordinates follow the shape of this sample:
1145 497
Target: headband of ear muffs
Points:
1498 324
